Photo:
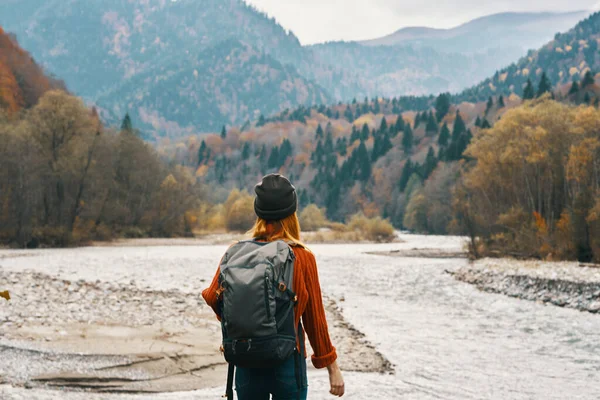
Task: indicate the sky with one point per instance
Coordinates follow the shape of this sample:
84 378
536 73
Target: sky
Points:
315 21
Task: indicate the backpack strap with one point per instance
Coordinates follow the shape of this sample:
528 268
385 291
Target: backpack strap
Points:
229 391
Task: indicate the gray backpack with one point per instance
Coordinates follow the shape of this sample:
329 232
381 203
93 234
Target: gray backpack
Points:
257 304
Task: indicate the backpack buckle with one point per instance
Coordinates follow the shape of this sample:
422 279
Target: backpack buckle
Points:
282 287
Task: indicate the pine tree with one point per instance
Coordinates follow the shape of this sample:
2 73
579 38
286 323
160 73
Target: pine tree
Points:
545 85
529 91
459 127
432 125
223 132
485 124
319 133
348 114
407 139
587 99
588 79
285 151
328 143
245 151
274 158
384 126
202 153
261 121
355 135
399 125
444 137
489 105
364 134
442 105
478 122
364 162
574 87
501 103
127 125
430 163
407 172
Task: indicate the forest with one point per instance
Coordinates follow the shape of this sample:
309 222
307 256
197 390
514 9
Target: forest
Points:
519 174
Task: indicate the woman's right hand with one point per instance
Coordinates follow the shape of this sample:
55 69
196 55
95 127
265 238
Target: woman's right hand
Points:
336 380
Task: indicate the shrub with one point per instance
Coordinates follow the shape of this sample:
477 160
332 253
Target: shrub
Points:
376 229
312 218
239 213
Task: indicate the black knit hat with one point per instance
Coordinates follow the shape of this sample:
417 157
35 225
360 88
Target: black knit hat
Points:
275 198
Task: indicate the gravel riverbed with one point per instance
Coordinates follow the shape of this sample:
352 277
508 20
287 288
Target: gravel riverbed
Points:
562 284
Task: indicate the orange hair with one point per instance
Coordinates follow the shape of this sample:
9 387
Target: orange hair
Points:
287 229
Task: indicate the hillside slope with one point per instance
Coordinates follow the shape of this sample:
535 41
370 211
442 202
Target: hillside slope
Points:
22 81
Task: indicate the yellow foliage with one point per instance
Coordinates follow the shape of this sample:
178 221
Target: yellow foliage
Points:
5 295
312 218
573 71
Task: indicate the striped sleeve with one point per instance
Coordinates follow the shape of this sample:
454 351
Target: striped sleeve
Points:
314 320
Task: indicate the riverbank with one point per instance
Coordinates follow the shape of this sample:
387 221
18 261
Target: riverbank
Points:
563 284
109 337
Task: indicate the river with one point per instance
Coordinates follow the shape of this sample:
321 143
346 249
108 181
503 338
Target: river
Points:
445 339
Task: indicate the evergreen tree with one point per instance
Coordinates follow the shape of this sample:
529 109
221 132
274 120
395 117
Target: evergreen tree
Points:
407 139
407 172
355 135
223 132
376 108
364 134
574 87
245 151
261 121
432 125
529 91
417 120
348 114
587 99
430 163
274 158
202 153
329 143
459 127
384 126
478 122
485 124
319 133
489 105
399 125
285 151
442 105
501 103
444 137
588 79
364 163
545 85
127 125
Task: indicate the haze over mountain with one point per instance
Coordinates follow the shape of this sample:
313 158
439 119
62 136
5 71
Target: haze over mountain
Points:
193 66
522 31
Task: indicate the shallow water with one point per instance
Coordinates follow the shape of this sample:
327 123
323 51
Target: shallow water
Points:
446 339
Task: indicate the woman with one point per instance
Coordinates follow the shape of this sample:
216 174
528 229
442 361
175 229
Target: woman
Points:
275 206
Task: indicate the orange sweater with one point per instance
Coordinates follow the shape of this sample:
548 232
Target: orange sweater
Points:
309 306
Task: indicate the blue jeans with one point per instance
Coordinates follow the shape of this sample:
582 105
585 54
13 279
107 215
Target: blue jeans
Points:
281 382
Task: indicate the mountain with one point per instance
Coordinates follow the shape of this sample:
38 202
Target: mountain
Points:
390 71
516 31
196 65
22 81
566 58
230 82
106 47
